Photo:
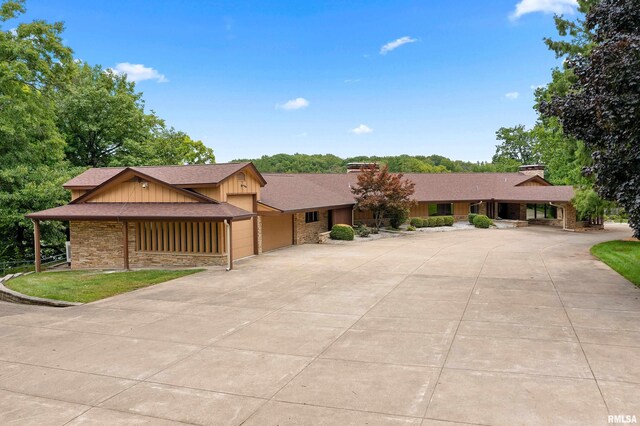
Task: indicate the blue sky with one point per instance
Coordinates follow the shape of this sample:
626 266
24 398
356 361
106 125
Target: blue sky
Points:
250 78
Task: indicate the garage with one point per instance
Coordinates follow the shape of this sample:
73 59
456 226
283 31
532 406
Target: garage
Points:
242 233
277 231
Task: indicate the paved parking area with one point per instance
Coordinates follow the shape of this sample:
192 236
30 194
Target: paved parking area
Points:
503 327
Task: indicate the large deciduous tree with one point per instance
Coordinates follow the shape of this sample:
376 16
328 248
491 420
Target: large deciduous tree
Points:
602 107
382 193
517 148
33 66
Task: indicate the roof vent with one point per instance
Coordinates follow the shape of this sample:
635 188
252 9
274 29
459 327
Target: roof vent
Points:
532 170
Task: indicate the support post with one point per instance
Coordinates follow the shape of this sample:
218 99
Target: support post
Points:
229 245
125 244
36 243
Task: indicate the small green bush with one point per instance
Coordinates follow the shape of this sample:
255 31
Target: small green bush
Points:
432 221
440 221
342 232
363 231
398 218
471 217
448 220
416 222
411 228
482 221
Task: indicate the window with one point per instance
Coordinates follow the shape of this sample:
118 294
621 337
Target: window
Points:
178 237
441 209
541 211
241 176
474 208
311 217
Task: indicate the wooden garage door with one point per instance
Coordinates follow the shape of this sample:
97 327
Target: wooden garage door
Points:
242 233
277 231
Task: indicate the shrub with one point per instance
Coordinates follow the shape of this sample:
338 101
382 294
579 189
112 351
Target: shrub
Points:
363 231
342 232
471 217
448 220
397 217
482 221
416 222
440 221
432 221
425 222
411 228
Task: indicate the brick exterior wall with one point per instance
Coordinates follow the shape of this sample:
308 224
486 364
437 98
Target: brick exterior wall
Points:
98 245
304 233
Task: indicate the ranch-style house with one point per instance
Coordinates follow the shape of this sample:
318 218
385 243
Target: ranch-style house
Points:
203 215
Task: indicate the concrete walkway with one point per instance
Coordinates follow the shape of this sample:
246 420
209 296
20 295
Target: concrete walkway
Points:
504 327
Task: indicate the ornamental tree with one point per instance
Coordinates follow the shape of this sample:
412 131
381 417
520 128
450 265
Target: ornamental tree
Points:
382 193
602 107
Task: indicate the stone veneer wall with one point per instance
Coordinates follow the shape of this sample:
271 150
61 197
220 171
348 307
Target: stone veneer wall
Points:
98 245
571 216
259 233
305 233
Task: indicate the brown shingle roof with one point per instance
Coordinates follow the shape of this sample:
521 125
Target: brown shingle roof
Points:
294 192
143 211
174 175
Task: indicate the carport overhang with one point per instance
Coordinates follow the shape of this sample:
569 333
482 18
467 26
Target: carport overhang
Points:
139 212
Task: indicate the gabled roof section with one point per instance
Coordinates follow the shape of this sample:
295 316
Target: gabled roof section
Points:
542 181
129 173
180 176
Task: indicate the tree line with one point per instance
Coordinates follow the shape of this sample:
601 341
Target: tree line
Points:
329 163
60 115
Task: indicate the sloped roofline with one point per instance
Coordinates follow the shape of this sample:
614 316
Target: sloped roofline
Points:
120 177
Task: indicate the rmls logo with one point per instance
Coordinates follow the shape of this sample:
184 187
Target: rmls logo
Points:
622 419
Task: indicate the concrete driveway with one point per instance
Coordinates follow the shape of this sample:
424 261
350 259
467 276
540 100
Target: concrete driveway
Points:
502 327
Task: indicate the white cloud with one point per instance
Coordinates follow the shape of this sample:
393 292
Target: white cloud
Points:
545 6
361 130
396 43
138 72
297 103
512 95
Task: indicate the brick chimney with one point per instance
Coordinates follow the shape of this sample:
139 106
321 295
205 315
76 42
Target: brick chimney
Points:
532 170
356 167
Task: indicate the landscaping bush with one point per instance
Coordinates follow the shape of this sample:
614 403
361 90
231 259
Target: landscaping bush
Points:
416 222
342 232
397 218
363 231
432 221
482 221
448 220
411 228
471 217
440 221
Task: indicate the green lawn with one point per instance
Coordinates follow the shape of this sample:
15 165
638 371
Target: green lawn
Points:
88 286
622 256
